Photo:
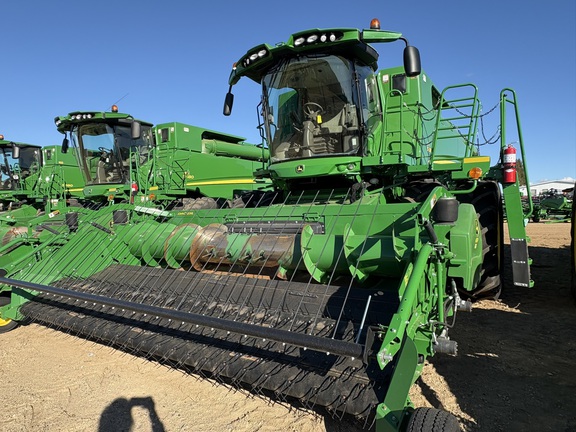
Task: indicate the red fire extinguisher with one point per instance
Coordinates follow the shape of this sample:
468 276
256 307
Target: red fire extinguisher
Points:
509 164
133 190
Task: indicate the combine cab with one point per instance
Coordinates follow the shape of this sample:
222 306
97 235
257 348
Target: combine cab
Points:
20 165
103 143
333 288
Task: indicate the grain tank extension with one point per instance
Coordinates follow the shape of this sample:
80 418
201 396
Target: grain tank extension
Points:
333 288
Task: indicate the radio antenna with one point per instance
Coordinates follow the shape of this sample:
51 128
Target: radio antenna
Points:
115 103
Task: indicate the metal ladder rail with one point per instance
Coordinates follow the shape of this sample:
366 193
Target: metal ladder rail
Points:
516 216
466 130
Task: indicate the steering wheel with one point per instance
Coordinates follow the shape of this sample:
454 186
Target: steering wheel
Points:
104 153
312 110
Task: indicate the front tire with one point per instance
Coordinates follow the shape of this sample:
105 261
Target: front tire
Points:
6 324
432 420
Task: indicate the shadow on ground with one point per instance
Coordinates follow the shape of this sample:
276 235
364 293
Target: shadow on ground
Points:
118 416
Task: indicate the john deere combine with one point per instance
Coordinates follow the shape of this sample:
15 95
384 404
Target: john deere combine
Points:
33 176
34 187
20 164
121 158
552 205
333 288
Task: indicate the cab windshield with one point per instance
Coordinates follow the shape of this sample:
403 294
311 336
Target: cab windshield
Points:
14 171
313 108
104 151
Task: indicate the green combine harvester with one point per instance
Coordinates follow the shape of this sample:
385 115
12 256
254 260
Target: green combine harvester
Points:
19 169
332 288
117 159
122 158
34 187
33 176
552 205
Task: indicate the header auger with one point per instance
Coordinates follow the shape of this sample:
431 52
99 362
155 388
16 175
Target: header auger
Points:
331 289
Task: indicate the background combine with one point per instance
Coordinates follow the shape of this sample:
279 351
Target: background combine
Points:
335 286
121 157
33 178
553 205
109 158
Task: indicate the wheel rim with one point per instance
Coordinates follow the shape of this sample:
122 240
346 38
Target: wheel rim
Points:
5 321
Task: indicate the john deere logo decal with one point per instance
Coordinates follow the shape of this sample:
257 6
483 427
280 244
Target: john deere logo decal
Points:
299 169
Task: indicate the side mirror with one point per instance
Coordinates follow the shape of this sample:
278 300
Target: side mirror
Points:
412 61
228 102
15 151
136 130
65 145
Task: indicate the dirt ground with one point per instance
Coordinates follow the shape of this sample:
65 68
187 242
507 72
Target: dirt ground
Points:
515 371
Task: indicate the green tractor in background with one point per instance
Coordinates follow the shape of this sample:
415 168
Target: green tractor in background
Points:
331 288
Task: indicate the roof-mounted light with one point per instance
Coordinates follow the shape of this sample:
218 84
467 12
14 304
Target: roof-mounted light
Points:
254 56
375 24
315 38
312 38
115 108
1 137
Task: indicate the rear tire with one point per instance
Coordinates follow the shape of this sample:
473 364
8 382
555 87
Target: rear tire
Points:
199 203
487 200
432 420
6 324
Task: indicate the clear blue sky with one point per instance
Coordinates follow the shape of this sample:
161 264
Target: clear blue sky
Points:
170 60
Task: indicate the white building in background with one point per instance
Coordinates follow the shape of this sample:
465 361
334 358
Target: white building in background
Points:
537 188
